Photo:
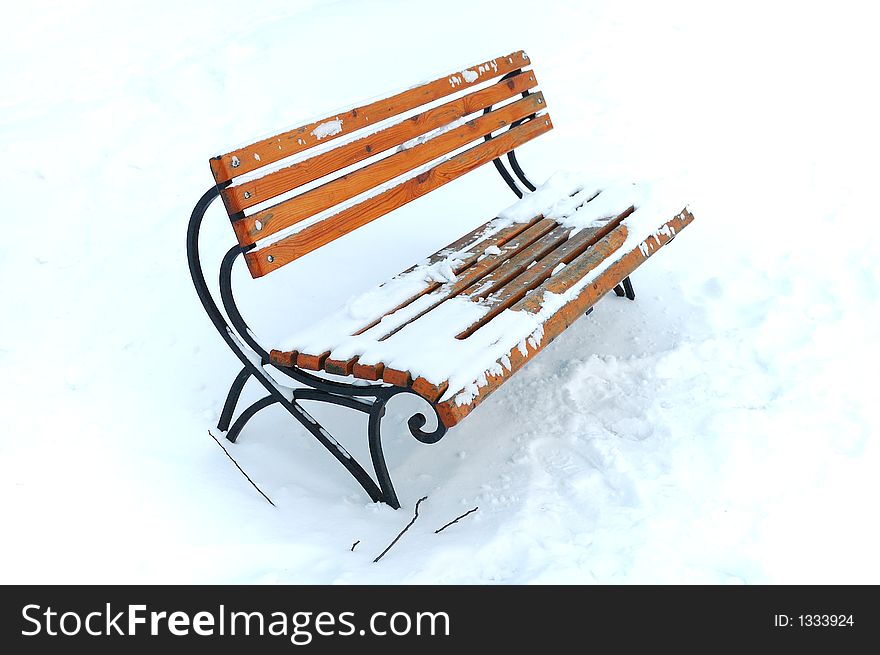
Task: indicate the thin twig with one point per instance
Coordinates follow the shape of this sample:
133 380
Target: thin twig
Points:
408 525
242 470
470 511
355 544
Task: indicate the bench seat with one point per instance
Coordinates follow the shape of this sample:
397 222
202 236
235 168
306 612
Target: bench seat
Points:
454 327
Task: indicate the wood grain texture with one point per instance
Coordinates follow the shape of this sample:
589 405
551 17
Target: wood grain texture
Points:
486 265
581 253
556 246
517 263
452 413
250 193
398 378
269 221
502 237
371 372
339 366
267 259
474 243
428 390
311 362
267 151
283 357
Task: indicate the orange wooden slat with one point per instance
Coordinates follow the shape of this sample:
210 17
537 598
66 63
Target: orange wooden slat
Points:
518 263
282 357
278 217
247 194
339 366
575 271
484 266
469 266
395 377
371 372
530 278
311 362
514 266
477 238
267 151
452 413
428 390
267 259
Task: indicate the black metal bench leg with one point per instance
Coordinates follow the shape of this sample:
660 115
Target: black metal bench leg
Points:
378 457
232 399
247 414
625 288
242 342
628 287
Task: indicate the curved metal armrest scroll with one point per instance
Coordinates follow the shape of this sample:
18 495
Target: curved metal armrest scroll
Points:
239 338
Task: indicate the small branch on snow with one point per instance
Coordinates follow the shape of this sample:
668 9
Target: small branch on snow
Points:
355 544
408 525
242 471
470 511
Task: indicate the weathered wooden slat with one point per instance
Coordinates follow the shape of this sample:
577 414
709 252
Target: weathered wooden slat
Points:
267 259
247 194
428 390
485 265
519 286
271 220
513 267
452 413
517 263
575 271
476 241
501 238
267 151
311 362
399 378
339 366
368 371
283 357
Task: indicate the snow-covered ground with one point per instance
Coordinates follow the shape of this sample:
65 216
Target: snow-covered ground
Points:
723 428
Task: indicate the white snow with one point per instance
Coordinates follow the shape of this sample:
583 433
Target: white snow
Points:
722 428
327 128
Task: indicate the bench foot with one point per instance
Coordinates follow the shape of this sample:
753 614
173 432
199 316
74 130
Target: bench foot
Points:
625 288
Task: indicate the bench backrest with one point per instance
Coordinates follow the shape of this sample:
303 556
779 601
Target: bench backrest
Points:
386 153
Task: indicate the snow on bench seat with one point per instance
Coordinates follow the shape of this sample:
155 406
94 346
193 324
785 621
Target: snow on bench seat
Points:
455 326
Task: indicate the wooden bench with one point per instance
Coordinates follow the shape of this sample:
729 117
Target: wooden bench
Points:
455 326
